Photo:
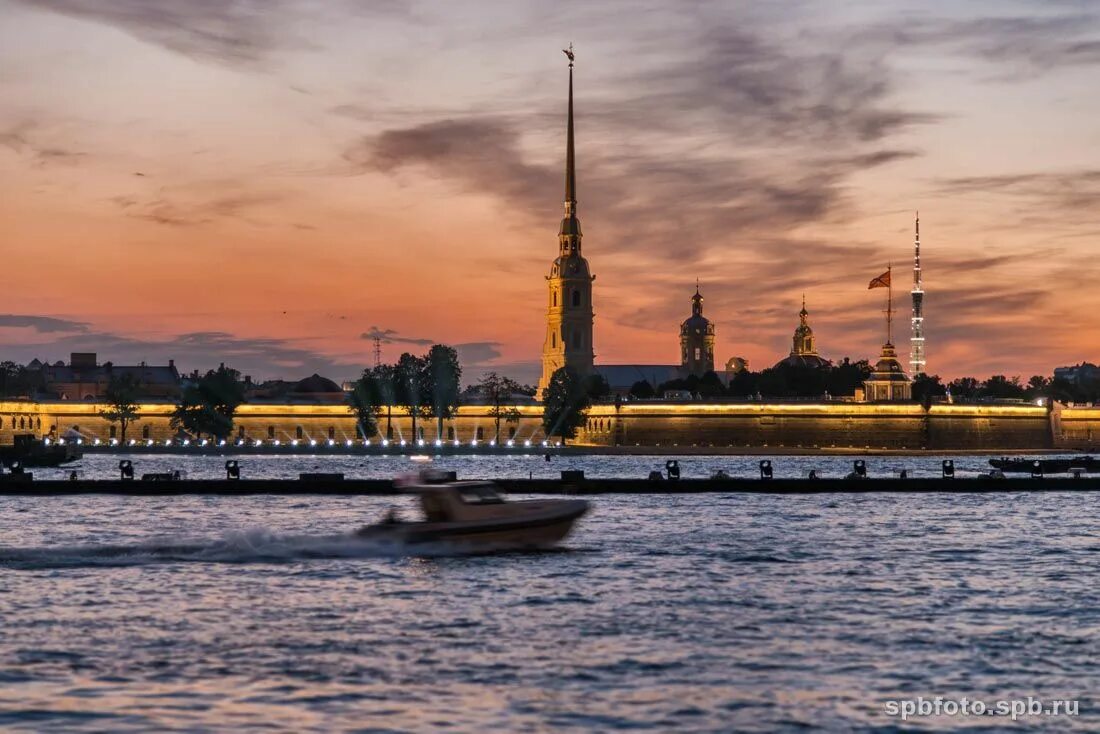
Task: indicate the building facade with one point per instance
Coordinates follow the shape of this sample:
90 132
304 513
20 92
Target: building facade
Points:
888 381
85 379
569 318
696 340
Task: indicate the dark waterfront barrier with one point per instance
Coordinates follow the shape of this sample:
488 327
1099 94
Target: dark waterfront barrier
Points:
23 486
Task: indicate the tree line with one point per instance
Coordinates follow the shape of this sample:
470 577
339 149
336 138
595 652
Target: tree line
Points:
782 381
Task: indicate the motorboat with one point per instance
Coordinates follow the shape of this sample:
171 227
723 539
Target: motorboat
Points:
472 515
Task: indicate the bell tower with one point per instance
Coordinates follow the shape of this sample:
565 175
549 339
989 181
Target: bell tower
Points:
569 315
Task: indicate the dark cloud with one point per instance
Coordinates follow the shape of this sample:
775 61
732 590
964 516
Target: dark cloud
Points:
390 336
715 139
240 32
188 209
42 324
477 354
1019 46
244 33
25 139
1065 197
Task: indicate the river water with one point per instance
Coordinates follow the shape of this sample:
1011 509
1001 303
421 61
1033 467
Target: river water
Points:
662 613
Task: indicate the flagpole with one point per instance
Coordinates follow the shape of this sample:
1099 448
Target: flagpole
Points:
889 304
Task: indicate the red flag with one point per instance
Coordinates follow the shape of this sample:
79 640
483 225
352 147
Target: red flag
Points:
882 281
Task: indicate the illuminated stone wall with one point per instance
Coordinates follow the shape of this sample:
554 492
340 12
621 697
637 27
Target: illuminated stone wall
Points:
1079 428
821 425
785 425
259 421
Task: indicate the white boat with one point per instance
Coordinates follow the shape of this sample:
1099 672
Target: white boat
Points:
474 516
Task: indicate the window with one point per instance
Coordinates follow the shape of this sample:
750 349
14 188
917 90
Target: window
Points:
577 297
554 339
555 298
22 423
112 432
698 353
298 432
332 432
271 431
450 433
512 432
483 495
480 433
576 338
240 431
145 431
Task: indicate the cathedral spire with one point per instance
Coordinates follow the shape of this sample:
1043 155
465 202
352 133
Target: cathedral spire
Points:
570 232
570 159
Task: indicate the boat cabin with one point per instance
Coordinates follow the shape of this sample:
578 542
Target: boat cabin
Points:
460 502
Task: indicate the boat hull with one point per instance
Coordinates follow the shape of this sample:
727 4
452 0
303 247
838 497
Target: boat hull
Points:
539 530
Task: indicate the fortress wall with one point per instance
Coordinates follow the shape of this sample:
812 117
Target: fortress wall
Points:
989 427
257 421
808 425
1078 428
759 425
855 425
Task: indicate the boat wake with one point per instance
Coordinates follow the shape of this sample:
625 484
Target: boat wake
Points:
250 546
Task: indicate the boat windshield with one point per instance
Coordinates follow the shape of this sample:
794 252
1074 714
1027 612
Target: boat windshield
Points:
479 495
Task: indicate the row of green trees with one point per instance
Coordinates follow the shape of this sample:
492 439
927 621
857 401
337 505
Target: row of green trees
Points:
1001 387
781 381
426 386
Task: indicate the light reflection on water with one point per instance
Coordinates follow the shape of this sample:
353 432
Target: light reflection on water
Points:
687 613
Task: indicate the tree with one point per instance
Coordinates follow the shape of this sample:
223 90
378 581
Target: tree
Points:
847 376
566 399
710 385
410 383
121 400
442 375
999 386
364 401
964 387
382 386
498 390
927 387
642 389
209 404
1038 387
18 381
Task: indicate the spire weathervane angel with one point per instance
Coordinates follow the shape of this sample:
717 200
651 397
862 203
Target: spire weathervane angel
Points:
569 53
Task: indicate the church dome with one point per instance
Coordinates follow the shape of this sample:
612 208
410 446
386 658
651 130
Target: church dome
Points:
697 323
803 348
315 384
888 368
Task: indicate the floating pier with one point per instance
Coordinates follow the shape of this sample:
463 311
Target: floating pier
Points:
17 486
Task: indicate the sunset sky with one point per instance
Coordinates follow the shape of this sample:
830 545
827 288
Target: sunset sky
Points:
266 182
